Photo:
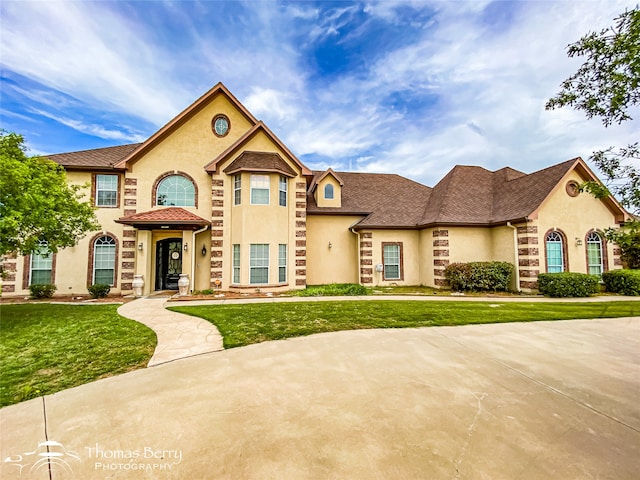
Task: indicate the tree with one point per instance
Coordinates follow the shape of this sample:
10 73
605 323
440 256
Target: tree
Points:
607 85
36 202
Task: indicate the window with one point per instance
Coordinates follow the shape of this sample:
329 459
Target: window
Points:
176 191
283 191
392 261
106 190
236 263
595 264
41 265
328 192
237 189
259 189
555 252
259 263
282 263
104 260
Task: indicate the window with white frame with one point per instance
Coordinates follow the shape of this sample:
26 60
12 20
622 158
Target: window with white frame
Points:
237 189
236 263
594 254
328 191
554 244
282 191
176 191
106 190
282 263
259 189
104 260
259 263
41 265
392 261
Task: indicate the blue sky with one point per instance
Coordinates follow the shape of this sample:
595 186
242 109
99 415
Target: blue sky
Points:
408 87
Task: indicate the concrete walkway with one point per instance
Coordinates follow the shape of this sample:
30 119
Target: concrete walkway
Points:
179 335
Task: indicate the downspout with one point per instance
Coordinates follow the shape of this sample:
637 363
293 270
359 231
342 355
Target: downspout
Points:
193 255
357 234
516 255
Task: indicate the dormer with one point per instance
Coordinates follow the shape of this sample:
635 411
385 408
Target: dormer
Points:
327 189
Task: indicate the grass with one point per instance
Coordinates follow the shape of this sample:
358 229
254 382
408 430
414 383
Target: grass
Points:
46 348
254 323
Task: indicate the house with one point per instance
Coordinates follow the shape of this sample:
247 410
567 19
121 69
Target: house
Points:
215 195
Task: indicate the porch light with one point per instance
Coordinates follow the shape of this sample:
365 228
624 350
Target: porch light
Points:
330 244
204 250
140 246
186 246
578 242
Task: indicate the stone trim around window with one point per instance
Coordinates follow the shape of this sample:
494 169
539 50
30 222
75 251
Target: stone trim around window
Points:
90 258
26 272
605 252
94 190
401 253
154 189
565 253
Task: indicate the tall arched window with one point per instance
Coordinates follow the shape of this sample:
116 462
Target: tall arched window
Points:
595 258
328 191
176 191
104 260
554 244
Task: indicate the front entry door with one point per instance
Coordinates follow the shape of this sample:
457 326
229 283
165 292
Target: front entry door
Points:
168 263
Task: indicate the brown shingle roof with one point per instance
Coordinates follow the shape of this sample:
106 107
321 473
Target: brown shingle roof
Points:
170 215
387 200
260 162
98 158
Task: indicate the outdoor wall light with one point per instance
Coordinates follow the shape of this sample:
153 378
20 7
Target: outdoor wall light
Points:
330 245
140 246
578 242
204 250
186 246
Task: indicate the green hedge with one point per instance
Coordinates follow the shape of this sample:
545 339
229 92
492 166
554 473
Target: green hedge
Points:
333 289
99 290
626 282
42 290
476 276
568 284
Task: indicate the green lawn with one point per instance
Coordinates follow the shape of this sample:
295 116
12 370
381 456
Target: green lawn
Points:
46 348
253 323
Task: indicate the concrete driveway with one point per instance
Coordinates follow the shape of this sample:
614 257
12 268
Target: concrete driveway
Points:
548 400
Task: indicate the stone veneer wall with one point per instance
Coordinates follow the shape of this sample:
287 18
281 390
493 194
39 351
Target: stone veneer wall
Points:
217 231
301 234
440 256
129 236
9 267
528 257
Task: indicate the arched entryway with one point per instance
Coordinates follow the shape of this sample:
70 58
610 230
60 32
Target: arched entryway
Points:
168 263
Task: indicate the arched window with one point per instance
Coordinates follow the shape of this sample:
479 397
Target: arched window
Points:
104 260
328 191
595 258
176 191
554 243
41 265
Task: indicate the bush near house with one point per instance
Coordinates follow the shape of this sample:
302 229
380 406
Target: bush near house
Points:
477 276
626 282
42 290
99 290
333 289
568 284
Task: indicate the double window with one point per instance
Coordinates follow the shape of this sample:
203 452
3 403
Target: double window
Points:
104 260
106 190
176 191
41 266
259 189
392 261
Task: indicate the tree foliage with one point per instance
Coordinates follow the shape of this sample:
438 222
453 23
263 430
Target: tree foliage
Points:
36 202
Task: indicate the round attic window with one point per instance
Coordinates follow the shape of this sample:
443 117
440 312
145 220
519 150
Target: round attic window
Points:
573 189
220 125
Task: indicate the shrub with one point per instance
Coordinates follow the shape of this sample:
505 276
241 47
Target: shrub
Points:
42 290
99 290
568 284
477 276
333 289
626 282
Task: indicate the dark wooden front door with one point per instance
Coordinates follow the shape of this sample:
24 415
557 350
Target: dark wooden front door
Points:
168 263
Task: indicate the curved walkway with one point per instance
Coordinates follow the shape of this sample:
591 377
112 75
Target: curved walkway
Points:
179 335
